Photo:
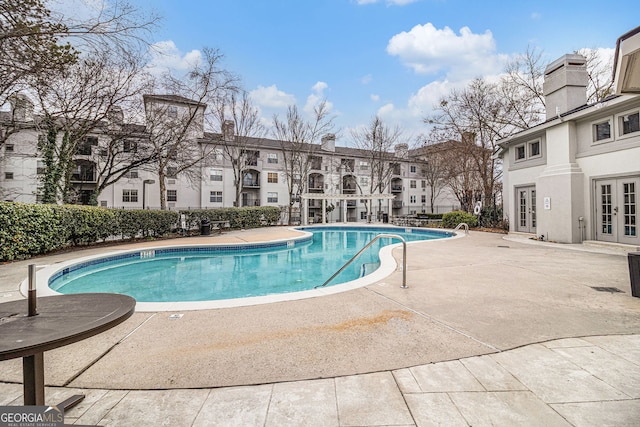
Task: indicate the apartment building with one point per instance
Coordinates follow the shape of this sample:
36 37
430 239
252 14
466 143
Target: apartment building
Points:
334 170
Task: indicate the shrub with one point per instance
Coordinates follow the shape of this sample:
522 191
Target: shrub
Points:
27 230
452 219
87 224
249 217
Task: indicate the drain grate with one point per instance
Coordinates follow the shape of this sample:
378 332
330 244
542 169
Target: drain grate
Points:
606 289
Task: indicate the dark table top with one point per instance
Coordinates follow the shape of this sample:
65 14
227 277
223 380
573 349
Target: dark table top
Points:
61 320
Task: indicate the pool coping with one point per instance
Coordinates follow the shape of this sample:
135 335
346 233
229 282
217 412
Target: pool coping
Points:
387 266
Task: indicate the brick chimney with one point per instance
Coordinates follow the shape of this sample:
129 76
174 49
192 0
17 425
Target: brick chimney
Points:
565 84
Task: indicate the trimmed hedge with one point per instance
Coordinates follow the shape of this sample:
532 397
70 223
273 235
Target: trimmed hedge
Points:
249 217
452 219
34 229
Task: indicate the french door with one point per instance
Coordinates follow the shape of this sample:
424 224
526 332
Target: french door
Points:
526 209
617 210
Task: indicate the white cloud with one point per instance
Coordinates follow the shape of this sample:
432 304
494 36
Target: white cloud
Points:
374 97
366 79
428 50
272 97
316 97
165 56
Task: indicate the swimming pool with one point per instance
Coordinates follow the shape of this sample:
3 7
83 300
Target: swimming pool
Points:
228 273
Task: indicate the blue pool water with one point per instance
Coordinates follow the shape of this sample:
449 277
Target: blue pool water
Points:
232 271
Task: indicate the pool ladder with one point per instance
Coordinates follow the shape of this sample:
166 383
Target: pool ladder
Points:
462 225
379 236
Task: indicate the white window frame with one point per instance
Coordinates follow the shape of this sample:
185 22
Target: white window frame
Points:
271 176
413 183
272 197
594 132
215 196
530 145
412 198
132 174
272 158
620 126
174 194
129 195
524 151
412 169
215 175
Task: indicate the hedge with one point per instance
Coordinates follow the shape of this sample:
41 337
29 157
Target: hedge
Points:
249 217
33 229
452 219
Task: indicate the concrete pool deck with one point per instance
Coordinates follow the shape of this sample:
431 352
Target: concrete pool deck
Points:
491 330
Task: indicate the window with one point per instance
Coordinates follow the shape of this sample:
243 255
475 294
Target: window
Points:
412 183
423 198
363 215
217 155
215 175
41 167
130 146
364 165
215 196
272 177
8 147
131 174
8 175
364 180
412 199
520 153
423 183
172 195
172 111
172 171
602 131
272 197
630 123
129 196
534 149
272 158
103 203
85 147
412 169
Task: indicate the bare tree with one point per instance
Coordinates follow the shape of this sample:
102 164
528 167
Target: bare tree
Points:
35 42
175 122
76 103
241 127
600 74
297 137
378 140
435 165
478 115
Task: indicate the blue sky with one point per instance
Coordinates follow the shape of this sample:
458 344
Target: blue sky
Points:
393 58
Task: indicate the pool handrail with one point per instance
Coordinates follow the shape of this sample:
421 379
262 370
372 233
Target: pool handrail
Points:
461 225
379 236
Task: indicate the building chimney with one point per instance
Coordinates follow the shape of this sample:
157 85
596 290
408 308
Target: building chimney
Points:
329 142
228 130
21 108
565 84
402 151
115 116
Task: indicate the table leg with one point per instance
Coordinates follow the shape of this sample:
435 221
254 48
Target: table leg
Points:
33 379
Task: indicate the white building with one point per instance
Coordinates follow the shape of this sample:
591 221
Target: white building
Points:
334 170
576 176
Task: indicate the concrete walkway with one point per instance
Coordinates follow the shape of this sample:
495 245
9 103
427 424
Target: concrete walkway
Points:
490 332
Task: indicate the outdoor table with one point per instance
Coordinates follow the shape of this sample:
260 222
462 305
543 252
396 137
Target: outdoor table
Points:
60 320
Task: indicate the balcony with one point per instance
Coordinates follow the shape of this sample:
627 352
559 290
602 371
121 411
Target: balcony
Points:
396 188
397 204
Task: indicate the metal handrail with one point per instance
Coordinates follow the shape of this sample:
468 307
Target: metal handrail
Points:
462 224
379 236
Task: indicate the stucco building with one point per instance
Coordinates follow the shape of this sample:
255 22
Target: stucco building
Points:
576 176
